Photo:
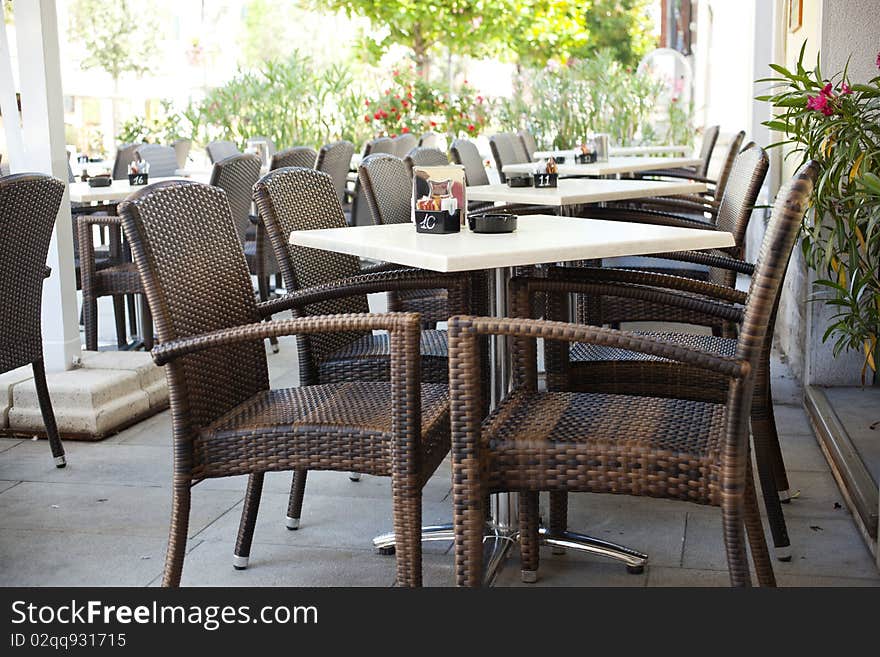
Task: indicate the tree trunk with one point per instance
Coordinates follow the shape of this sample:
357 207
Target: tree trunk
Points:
420 51
115 112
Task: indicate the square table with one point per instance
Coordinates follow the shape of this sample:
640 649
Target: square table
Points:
614 165
117 191
538 239
613 151
574 191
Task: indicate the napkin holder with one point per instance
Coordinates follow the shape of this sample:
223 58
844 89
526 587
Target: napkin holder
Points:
519 181
438 222
100 181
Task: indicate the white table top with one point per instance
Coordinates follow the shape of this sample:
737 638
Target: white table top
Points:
538 238
614 165
620 151
583 190
80 192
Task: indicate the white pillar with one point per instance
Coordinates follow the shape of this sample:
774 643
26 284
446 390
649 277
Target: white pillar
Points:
42 106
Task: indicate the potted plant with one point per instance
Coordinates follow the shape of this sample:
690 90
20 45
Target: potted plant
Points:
837 122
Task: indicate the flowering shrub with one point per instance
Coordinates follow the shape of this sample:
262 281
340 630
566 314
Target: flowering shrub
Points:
835 122
410 104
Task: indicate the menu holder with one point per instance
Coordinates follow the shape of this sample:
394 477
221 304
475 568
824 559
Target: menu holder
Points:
137 179
519 181
439 201
546 180
586 158
438 223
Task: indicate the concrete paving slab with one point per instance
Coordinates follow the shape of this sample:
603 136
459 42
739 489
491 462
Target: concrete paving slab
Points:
801 452
106 509
70 558
569 569
820 546
817 496
6 485
9 443
791 419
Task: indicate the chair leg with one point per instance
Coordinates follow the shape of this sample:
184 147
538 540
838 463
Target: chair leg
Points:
558 516
528 536
297 492
119 316
147 321
90 322
180 505
132 314
407 510
779 472
734 539
47 413
248 521
263 289
755 531
764 459
469 511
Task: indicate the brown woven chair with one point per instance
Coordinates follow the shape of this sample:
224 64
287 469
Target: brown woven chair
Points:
125 154
162 159
334 160
562 441
386 182
507 149
226 420
302 199
298 156
431 139
29 204
360 214
424 156
465 153
220 150
403 144
181 148
527 139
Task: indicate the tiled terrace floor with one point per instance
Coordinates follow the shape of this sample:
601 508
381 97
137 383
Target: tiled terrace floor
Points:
103 521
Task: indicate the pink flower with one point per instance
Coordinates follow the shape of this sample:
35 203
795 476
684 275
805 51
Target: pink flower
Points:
826 91
820 104
844 89
404 129
878 60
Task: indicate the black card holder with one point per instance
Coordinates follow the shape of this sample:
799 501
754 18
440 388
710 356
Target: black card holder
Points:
438 222
546 180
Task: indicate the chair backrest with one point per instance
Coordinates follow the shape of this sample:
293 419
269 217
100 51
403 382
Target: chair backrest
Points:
270 145
386 182
425 157
124 155
403 144
302 199
710 136
465 153
527 139
762 302
237 176
29 203
220 150
181 150
733 149
298 156
507 149
162 159
431 139
196 279
379 145
334 160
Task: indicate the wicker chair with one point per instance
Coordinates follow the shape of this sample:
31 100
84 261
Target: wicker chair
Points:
431 139
403 144
386 184
162 159
302 199
360 210
220 150
423 156
710 137
465 153
226 420
507 149
182 147
527 139
29 204
563 441
334 160
298 156
125 154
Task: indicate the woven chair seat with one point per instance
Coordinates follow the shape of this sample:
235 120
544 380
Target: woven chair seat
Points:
339 427
121 278
607 369
367 358
606 444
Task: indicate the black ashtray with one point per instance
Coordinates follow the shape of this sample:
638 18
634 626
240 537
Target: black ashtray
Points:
138 178
100 181
493 222
560 159
519 181
546 180
438 222
585 158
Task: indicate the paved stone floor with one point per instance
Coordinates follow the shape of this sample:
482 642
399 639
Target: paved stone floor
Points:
103 521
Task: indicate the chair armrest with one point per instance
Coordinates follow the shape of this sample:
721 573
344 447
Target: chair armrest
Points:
652 279
98 220
380 267
675 173
674 205
255 219
460 326
392 322
637 215
712 258
384 281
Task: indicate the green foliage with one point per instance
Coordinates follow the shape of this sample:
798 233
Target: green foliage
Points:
164 129
409 104
840 128
291 101
109 30
560 104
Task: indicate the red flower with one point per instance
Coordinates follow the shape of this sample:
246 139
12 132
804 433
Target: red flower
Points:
377 115
433 124
404 103
826 91
410 95
820 104
367 102
845 89
878 60
367 118
393 135
395 73
405 129
471 127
